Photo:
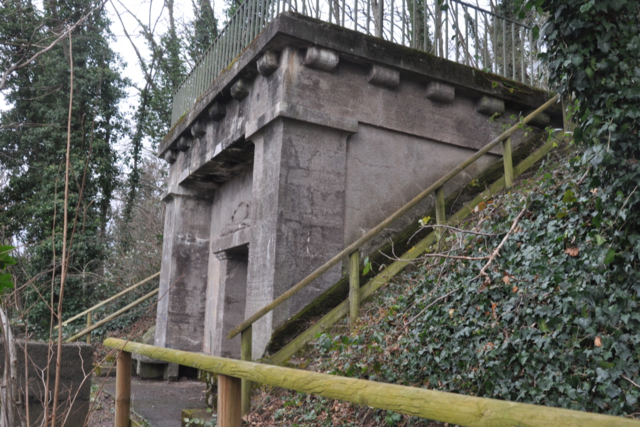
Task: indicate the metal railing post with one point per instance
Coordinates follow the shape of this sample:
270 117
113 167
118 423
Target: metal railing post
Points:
229 396
354 288
437 42
508 162
245 354
379 30
440 211
123 389
89 323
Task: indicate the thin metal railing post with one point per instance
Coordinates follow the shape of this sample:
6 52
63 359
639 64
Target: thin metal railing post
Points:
440 211
89 322
246 340
504 48
508 162
354 288
513 51
123 389
438 32
379 30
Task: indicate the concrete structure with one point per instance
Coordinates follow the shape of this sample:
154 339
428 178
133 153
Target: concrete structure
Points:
75 376
313 135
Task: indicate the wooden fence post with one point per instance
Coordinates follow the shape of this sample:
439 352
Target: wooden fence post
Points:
229 397
245 354
508 163
441 217
123 389
89 323
354 288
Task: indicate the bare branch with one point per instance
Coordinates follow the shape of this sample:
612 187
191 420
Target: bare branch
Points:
23 64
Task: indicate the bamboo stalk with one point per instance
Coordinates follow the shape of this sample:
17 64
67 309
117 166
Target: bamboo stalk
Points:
111 317
384 224
123 389
108 300
441 406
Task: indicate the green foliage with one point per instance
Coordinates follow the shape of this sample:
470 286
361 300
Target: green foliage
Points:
205 29
555 323
6 281
33 146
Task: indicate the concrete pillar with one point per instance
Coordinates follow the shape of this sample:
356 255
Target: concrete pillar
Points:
183 274
230 301
298 202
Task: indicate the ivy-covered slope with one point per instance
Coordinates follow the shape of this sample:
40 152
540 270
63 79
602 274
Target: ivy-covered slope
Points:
555 321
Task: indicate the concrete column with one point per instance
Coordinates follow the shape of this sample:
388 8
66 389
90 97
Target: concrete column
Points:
183 274
230 301
298 203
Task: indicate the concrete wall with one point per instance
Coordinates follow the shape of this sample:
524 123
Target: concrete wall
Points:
314 135
228 262
75 385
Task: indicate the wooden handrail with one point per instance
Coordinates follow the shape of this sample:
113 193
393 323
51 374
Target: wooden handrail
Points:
434 405
108 300
384 224
112 316
390 270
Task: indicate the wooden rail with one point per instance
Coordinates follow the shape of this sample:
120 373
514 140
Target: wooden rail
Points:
352 251
108 300
434 405
382 278
384 224
90 326
109 318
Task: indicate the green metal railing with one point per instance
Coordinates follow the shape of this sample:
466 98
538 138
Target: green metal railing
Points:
451 29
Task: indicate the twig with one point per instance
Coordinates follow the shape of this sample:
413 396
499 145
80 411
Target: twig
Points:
65 255
430 305
583 177
629 379
496 251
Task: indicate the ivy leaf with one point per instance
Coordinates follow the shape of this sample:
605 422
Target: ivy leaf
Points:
569 197
599 240
5 282
367 266
5 259
608 259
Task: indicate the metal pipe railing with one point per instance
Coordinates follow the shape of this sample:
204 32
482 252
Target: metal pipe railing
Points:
502 43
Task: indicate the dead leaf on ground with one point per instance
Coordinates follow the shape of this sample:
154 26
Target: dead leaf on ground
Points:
598 342
514 289
506 279
572 251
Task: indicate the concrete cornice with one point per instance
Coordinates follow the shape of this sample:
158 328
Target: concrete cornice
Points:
297 112
291 29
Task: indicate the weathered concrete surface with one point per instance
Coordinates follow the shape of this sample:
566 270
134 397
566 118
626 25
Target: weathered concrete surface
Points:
160 403
314 135
183 274
75 379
